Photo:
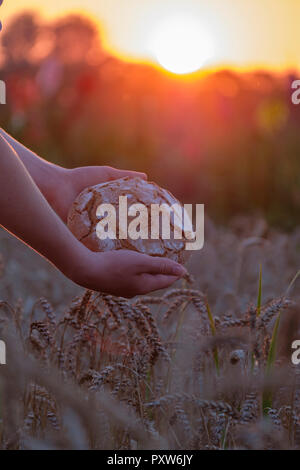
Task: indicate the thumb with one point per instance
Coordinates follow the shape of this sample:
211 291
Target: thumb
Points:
158 281
164 266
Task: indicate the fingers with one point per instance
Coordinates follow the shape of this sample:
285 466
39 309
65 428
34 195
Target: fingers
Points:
83 177
117 174
126 273
164 266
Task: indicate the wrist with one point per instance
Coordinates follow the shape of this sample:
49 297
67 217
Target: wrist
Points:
58 190
74 261
51 179
83 266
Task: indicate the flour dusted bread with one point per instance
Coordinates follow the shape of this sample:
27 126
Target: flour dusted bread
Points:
83 218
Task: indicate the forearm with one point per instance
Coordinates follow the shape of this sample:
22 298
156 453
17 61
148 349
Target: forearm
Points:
25 212
60 186
46 175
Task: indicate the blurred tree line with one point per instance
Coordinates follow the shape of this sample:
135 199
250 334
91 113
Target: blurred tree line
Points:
225 139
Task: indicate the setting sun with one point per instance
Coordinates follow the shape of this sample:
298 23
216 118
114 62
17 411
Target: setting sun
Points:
181 45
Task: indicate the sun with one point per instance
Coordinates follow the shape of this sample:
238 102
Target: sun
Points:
181 45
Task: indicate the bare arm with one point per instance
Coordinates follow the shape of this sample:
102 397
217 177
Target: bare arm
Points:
41 171
59 185
25 213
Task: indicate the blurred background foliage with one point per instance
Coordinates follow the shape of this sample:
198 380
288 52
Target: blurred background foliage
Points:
229 140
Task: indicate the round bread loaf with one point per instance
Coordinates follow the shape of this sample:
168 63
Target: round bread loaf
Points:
83 218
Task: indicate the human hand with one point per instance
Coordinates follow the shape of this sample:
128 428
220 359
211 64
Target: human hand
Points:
124 273
67 184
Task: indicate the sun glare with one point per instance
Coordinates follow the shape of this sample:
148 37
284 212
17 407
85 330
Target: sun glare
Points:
181 45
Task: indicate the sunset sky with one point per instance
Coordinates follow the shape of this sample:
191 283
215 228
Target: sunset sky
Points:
242 33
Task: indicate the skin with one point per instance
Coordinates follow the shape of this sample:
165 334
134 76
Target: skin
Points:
35 198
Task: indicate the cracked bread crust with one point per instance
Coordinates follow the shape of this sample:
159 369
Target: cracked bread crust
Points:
82 219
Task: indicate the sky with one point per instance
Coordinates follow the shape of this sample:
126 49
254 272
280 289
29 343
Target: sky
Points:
244 33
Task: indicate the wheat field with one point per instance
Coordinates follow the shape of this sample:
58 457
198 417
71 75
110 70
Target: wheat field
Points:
203 365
